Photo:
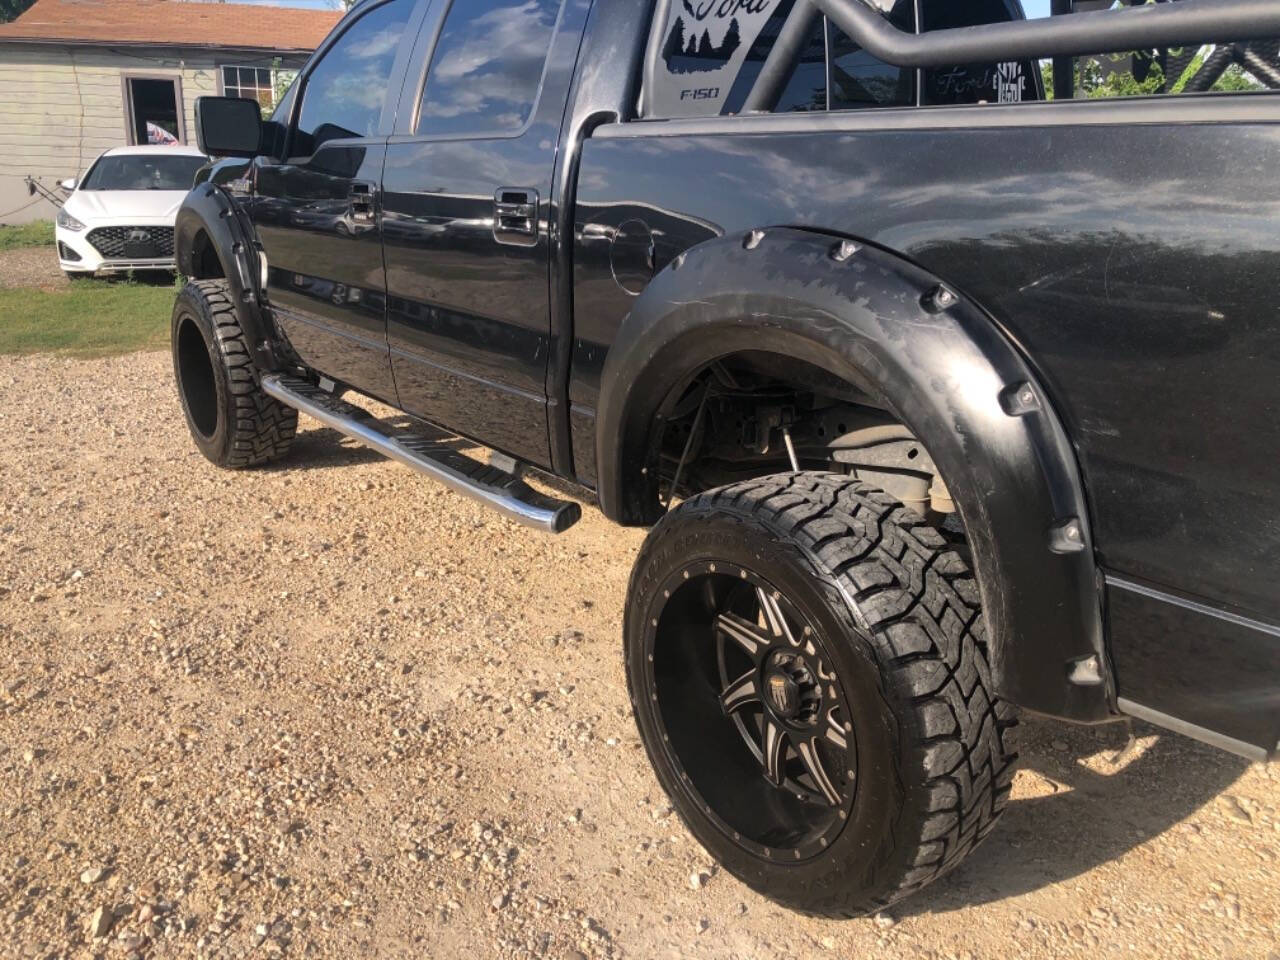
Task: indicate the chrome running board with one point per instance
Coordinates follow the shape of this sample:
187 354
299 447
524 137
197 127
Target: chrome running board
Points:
503 491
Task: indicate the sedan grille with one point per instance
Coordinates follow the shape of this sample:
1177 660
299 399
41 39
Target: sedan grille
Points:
132 243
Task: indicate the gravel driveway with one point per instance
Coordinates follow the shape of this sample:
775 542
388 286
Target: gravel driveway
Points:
31 267
333 710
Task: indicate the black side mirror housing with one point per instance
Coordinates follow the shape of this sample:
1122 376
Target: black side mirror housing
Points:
228 127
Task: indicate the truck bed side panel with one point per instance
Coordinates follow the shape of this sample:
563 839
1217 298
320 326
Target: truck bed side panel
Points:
1132 256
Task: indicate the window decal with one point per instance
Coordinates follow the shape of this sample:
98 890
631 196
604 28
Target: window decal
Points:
1010 82
706 44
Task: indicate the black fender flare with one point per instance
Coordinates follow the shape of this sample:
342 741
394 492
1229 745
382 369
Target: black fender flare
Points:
209 211
944 367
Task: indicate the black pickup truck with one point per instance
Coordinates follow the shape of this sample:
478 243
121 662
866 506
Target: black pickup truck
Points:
948 385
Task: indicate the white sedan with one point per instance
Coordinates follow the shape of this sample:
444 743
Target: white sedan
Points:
120 216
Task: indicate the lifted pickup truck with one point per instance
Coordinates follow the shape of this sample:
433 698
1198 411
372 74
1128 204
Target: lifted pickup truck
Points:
945 389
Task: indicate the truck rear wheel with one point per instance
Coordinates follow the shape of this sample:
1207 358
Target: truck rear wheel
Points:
233 423
807 662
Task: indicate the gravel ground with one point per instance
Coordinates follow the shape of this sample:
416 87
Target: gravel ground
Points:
32 267
331 709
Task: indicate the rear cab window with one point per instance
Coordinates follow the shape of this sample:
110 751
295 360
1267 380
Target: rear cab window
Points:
976 83
711 53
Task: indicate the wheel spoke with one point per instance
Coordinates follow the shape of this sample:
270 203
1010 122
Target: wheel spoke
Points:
812 760
747 635
774 744
743 692
835 732
773 616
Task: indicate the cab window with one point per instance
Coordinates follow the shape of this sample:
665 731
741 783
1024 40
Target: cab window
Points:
712 54
487 67
860 80
346 90
1011 82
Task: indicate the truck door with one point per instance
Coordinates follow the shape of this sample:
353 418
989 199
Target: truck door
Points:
466 192
316 211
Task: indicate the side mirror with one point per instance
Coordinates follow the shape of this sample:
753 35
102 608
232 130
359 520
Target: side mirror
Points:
68 184
228 127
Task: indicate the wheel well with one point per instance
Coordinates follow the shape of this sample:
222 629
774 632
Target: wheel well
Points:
205 264
732 419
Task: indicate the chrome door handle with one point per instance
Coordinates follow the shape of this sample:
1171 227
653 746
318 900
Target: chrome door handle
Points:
515 216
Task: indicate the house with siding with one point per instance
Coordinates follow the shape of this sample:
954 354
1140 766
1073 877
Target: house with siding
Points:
81 76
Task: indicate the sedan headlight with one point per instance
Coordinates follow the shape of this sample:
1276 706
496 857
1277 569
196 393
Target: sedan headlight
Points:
67 222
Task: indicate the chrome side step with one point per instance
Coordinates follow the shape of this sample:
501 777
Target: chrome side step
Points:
505 492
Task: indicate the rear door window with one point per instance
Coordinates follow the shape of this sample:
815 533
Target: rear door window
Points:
487 67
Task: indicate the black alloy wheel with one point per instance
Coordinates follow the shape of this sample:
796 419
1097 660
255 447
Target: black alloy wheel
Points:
778 777
808 665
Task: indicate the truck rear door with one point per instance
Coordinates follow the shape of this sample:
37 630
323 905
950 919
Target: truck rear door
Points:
466 193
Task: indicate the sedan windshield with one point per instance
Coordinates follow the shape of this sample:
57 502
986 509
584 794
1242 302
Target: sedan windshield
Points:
143 172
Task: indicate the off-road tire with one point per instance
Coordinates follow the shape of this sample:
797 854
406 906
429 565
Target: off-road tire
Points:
934 773
232 421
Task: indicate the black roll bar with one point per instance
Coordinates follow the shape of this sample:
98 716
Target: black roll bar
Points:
1150 25
777 67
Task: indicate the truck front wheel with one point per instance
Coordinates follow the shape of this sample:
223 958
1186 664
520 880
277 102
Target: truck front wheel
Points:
807 663
234 424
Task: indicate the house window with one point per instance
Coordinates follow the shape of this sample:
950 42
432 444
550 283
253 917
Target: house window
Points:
252 83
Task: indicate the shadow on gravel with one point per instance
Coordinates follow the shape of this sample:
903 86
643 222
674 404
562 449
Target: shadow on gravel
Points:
1085 817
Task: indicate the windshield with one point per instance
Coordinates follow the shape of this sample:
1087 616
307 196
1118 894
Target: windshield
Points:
143 172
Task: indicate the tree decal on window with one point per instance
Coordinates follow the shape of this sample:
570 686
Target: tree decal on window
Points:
699 54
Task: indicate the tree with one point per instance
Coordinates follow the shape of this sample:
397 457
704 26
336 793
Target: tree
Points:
1235 79
13 9
674 46
1091 83
732 40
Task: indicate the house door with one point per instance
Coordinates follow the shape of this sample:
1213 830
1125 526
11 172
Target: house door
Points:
154 113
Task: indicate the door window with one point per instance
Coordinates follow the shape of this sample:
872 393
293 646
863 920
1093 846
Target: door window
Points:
346 90
487 67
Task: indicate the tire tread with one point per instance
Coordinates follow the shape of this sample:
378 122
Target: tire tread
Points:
920 604
262 429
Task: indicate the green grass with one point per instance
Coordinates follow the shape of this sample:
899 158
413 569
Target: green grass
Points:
38 233
95 318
